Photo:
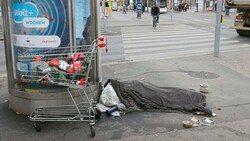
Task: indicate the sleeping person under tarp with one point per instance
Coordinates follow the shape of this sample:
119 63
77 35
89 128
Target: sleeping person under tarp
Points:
140 95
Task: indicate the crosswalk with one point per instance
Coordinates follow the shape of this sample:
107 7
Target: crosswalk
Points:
205 19
169 41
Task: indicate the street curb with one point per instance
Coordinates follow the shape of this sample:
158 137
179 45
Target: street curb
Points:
142 25
108 33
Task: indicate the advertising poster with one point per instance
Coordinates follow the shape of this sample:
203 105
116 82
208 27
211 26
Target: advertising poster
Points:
40 23
37 24
139 6
83 22
44 24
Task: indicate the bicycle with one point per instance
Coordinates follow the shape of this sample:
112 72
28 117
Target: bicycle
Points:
154 21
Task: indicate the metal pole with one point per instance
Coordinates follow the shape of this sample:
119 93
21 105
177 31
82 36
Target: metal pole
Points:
104 16
204 5
7 44
71 26
98 33
217 29
172 11
105 24
168 4
147 5
74 23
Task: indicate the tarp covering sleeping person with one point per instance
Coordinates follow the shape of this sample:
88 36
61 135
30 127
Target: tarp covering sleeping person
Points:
141 95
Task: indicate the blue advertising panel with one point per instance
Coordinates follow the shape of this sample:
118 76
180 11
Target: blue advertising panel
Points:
37 24
40 23
46 24
139 6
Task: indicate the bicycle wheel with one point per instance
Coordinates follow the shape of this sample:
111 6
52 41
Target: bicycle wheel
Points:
154 21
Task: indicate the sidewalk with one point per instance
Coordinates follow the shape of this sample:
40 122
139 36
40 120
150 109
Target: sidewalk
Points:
228 78
229 91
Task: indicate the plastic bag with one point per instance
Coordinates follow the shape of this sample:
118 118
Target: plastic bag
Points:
54 62
108 96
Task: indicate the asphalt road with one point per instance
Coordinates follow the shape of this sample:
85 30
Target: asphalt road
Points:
188 33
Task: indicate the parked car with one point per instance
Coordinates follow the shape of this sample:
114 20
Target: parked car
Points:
163 9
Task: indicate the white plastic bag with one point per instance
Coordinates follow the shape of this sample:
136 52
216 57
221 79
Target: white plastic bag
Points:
108 96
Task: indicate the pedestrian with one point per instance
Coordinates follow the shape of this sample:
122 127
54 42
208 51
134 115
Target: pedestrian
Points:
124 8
215 6
197 5
143 8
227 10
185 7
180 7
207 4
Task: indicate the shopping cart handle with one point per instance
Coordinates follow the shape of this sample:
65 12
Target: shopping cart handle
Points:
102 38
101 45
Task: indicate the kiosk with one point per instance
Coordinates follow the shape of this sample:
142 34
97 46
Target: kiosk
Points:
33 24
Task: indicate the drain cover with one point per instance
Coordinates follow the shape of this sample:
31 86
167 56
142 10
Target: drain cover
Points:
203 74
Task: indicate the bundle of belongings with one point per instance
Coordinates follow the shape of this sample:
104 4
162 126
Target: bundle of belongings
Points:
139 95
63 68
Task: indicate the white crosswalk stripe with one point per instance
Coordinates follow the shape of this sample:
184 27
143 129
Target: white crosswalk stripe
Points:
171 41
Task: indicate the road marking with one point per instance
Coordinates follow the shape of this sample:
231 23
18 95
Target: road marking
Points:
161 34
181 54
169 38
172 42
147 44
183 46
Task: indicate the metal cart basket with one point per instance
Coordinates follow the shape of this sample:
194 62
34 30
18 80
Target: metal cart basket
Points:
64 66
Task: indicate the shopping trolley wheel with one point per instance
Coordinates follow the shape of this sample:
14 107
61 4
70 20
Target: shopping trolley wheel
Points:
37 126
92 130
98 114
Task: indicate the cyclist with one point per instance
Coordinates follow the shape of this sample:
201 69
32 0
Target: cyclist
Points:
155 11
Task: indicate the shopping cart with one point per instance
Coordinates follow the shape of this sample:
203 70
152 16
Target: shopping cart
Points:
63 66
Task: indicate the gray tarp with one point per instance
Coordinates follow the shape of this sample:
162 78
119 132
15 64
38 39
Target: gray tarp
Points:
136 94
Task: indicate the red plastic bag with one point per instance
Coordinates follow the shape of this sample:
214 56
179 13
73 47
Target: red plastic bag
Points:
77 66
71 70
79 56
81 81
54 62
37 59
